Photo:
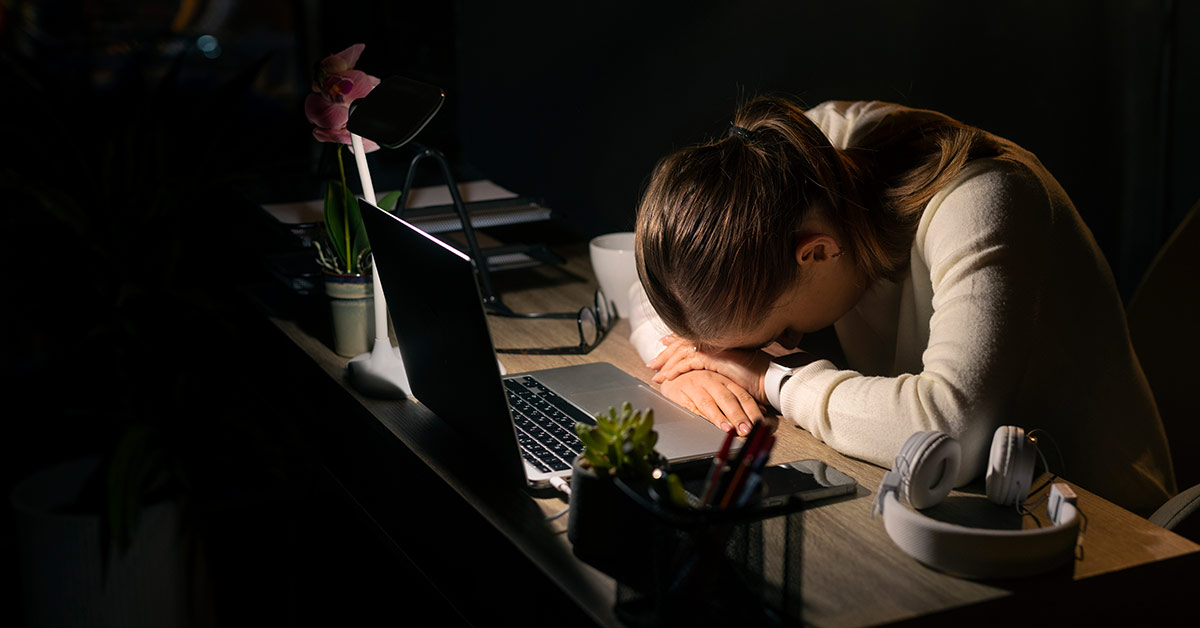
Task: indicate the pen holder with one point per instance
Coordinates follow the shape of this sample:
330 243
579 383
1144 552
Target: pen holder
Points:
704 567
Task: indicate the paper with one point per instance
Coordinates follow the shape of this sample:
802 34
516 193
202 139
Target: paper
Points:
308 212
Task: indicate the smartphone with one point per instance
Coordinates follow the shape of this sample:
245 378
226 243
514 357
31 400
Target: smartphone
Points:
803 481
789 483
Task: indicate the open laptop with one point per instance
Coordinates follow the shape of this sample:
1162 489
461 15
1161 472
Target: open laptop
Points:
442 332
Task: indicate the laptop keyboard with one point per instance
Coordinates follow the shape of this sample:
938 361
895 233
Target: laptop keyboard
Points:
545 424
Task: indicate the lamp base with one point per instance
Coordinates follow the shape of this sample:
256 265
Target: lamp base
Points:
380 373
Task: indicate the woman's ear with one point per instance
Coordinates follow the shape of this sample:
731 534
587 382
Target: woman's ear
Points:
816 247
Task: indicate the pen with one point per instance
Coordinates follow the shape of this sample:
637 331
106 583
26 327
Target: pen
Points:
728 471
717 466
751 486
755 479
744 459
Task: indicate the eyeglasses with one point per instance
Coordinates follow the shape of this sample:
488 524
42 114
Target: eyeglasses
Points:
593 323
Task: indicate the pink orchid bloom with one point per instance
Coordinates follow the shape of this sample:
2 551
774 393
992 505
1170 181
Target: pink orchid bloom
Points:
337 85
342 61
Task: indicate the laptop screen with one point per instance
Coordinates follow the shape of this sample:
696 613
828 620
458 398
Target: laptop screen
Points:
442 333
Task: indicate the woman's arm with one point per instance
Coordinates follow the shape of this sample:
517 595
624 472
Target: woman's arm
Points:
981 244
647 329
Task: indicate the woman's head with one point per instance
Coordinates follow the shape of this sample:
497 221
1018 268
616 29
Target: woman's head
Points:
719 225
725 227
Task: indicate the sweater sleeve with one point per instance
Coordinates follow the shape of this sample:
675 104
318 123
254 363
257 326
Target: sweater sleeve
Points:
979 243
645 324
846 123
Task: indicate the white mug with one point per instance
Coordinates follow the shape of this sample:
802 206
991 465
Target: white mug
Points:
615 268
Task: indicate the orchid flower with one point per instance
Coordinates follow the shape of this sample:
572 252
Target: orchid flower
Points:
336 85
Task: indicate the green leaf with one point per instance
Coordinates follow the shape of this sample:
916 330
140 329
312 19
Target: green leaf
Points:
335 220
344 226
358 232
388 201
595 459
608 427
133 463
616 460
590 441
642 427
675 491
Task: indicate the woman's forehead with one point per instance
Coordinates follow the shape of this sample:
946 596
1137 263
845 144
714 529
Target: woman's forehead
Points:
758 334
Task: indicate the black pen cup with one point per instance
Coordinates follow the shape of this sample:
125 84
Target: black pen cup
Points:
676 566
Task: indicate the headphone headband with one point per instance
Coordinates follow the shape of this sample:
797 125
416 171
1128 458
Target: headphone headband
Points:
922 466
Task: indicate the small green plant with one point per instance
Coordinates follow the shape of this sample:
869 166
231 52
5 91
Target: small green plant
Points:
621 444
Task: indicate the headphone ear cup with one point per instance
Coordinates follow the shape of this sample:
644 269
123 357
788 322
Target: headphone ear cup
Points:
931 462
1010 466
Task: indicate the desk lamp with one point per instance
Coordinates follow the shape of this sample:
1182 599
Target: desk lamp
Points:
391 115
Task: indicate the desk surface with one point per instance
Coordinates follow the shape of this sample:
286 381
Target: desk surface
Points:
852 573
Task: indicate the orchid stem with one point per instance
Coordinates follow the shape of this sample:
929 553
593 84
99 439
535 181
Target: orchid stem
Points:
345 211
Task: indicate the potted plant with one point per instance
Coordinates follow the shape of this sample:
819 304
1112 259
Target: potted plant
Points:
345 254
619 470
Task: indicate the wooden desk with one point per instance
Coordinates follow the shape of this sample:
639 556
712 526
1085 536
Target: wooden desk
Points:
852 573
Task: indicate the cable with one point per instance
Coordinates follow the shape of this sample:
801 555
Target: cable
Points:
563 487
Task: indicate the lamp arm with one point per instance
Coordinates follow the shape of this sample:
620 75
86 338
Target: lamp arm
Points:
364 176
490 299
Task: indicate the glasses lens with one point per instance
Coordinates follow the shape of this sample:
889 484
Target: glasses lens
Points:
604 310
589 332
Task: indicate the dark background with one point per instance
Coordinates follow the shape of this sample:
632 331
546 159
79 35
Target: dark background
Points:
127 136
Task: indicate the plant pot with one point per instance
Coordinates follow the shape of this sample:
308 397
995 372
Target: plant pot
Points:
352 312
72 574
608 529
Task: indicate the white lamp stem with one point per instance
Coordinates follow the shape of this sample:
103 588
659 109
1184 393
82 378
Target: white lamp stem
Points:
364 176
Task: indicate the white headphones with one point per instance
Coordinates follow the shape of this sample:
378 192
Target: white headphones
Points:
925 471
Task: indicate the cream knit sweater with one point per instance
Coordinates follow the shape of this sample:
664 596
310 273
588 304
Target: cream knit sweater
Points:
1008 315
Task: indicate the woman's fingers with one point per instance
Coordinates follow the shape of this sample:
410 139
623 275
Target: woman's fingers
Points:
748 403
679 357
675 346
745 368
716 398
681 362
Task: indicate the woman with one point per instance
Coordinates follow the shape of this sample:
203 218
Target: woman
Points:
964 288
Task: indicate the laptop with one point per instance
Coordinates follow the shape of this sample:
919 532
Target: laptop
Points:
525 421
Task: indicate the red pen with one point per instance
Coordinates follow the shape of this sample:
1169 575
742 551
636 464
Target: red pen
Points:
754 442
718 465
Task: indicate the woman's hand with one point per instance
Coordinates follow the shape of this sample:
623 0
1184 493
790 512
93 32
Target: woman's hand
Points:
716 398
744 367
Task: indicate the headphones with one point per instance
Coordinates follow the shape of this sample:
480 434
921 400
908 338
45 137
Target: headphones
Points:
924 472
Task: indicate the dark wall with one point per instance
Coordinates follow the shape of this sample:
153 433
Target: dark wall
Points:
576 101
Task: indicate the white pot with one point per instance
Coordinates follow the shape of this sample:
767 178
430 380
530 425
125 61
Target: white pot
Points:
352 309
67 577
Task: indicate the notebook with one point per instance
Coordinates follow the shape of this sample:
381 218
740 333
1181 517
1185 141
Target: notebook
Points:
443 336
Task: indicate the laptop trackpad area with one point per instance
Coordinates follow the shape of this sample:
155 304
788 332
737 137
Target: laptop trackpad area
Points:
681 434
599 401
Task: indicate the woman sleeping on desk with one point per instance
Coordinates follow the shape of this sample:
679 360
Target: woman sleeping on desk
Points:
963 286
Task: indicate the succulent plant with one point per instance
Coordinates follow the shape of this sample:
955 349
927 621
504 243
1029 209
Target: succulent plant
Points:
621 444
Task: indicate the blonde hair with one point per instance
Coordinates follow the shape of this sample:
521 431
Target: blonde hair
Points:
716 225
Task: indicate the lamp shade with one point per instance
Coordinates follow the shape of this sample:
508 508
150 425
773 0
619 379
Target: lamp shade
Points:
395 111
